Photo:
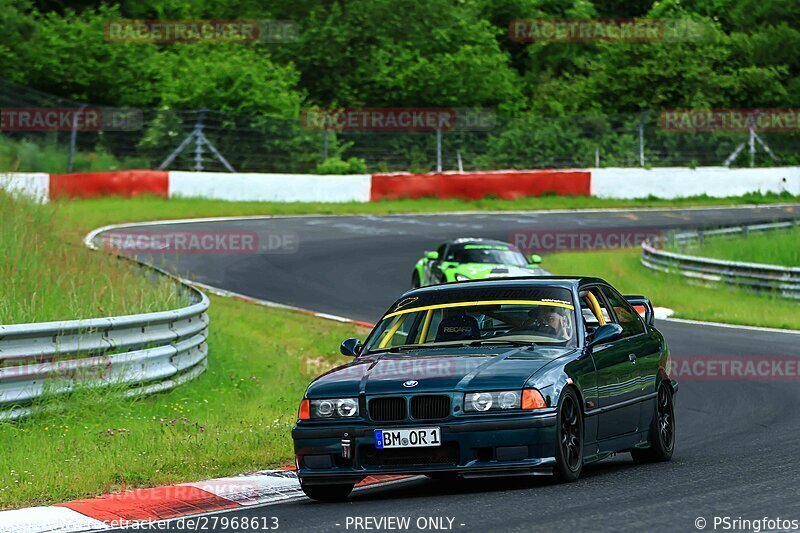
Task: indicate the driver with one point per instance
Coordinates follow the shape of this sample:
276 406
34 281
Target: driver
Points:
549 320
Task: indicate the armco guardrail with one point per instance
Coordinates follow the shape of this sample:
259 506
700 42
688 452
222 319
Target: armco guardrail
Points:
140 354
784 281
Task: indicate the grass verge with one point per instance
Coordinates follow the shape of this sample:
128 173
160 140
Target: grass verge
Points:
774 248
47 275
236 417
622 269
92 213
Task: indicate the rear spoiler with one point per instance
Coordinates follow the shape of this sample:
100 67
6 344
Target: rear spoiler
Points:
642 306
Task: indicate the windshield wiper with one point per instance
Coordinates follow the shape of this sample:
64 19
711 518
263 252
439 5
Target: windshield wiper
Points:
409 347
509 342
406 347
481 342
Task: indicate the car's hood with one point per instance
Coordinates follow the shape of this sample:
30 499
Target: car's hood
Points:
491 270
436 370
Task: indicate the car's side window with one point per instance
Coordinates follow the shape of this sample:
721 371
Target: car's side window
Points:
594 310
627 317
397 333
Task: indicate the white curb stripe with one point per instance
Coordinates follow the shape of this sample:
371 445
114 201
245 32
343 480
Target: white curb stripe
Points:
662 313
733 326
262 487
47 519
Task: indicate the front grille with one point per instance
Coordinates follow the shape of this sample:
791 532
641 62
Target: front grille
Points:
387 409
430 407
447 453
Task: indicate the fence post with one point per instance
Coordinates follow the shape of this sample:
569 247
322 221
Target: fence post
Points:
73 137
438 149
198 141
642 118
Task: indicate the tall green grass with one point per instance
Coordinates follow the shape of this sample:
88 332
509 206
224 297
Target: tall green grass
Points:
46 274
774 248
28 156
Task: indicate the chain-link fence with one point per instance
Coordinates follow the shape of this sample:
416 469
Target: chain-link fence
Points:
220 141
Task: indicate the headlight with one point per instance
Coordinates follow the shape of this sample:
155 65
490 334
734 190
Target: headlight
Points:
492 401
462 277
333 408
527 399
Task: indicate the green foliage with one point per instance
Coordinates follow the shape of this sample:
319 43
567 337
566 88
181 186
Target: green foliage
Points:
227 77
335 165
44 156
414 53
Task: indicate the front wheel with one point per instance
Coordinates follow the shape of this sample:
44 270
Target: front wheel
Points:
328 493
569 436
662 432
415 283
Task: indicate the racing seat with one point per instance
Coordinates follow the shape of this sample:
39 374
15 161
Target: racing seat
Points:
458 327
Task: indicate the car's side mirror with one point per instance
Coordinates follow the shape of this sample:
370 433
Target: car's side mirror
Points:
432 255
535 259
606 333
351 347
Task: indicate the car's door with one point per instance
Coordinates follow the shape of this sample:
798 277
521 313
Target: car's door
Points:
640 343
618 386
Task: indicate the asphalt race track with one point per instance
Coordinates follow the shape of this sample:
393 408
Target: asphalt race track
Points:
737 444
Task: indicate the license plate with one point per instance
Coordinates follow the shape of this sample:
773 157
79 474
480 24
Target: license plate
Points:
407 438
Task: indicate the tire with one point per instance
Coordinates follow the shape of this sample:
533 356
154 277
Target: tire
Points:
328 493
569 438
662 431
415 283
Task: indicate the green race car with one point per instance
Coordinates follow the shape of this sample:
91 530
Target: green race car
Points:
466 259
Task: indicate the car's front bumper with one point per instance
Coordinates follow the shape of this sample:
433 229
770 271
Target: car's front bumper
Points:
489 446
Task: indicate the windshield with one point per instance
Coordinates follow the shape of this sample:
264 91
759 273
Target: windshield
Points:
489 255
543 316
